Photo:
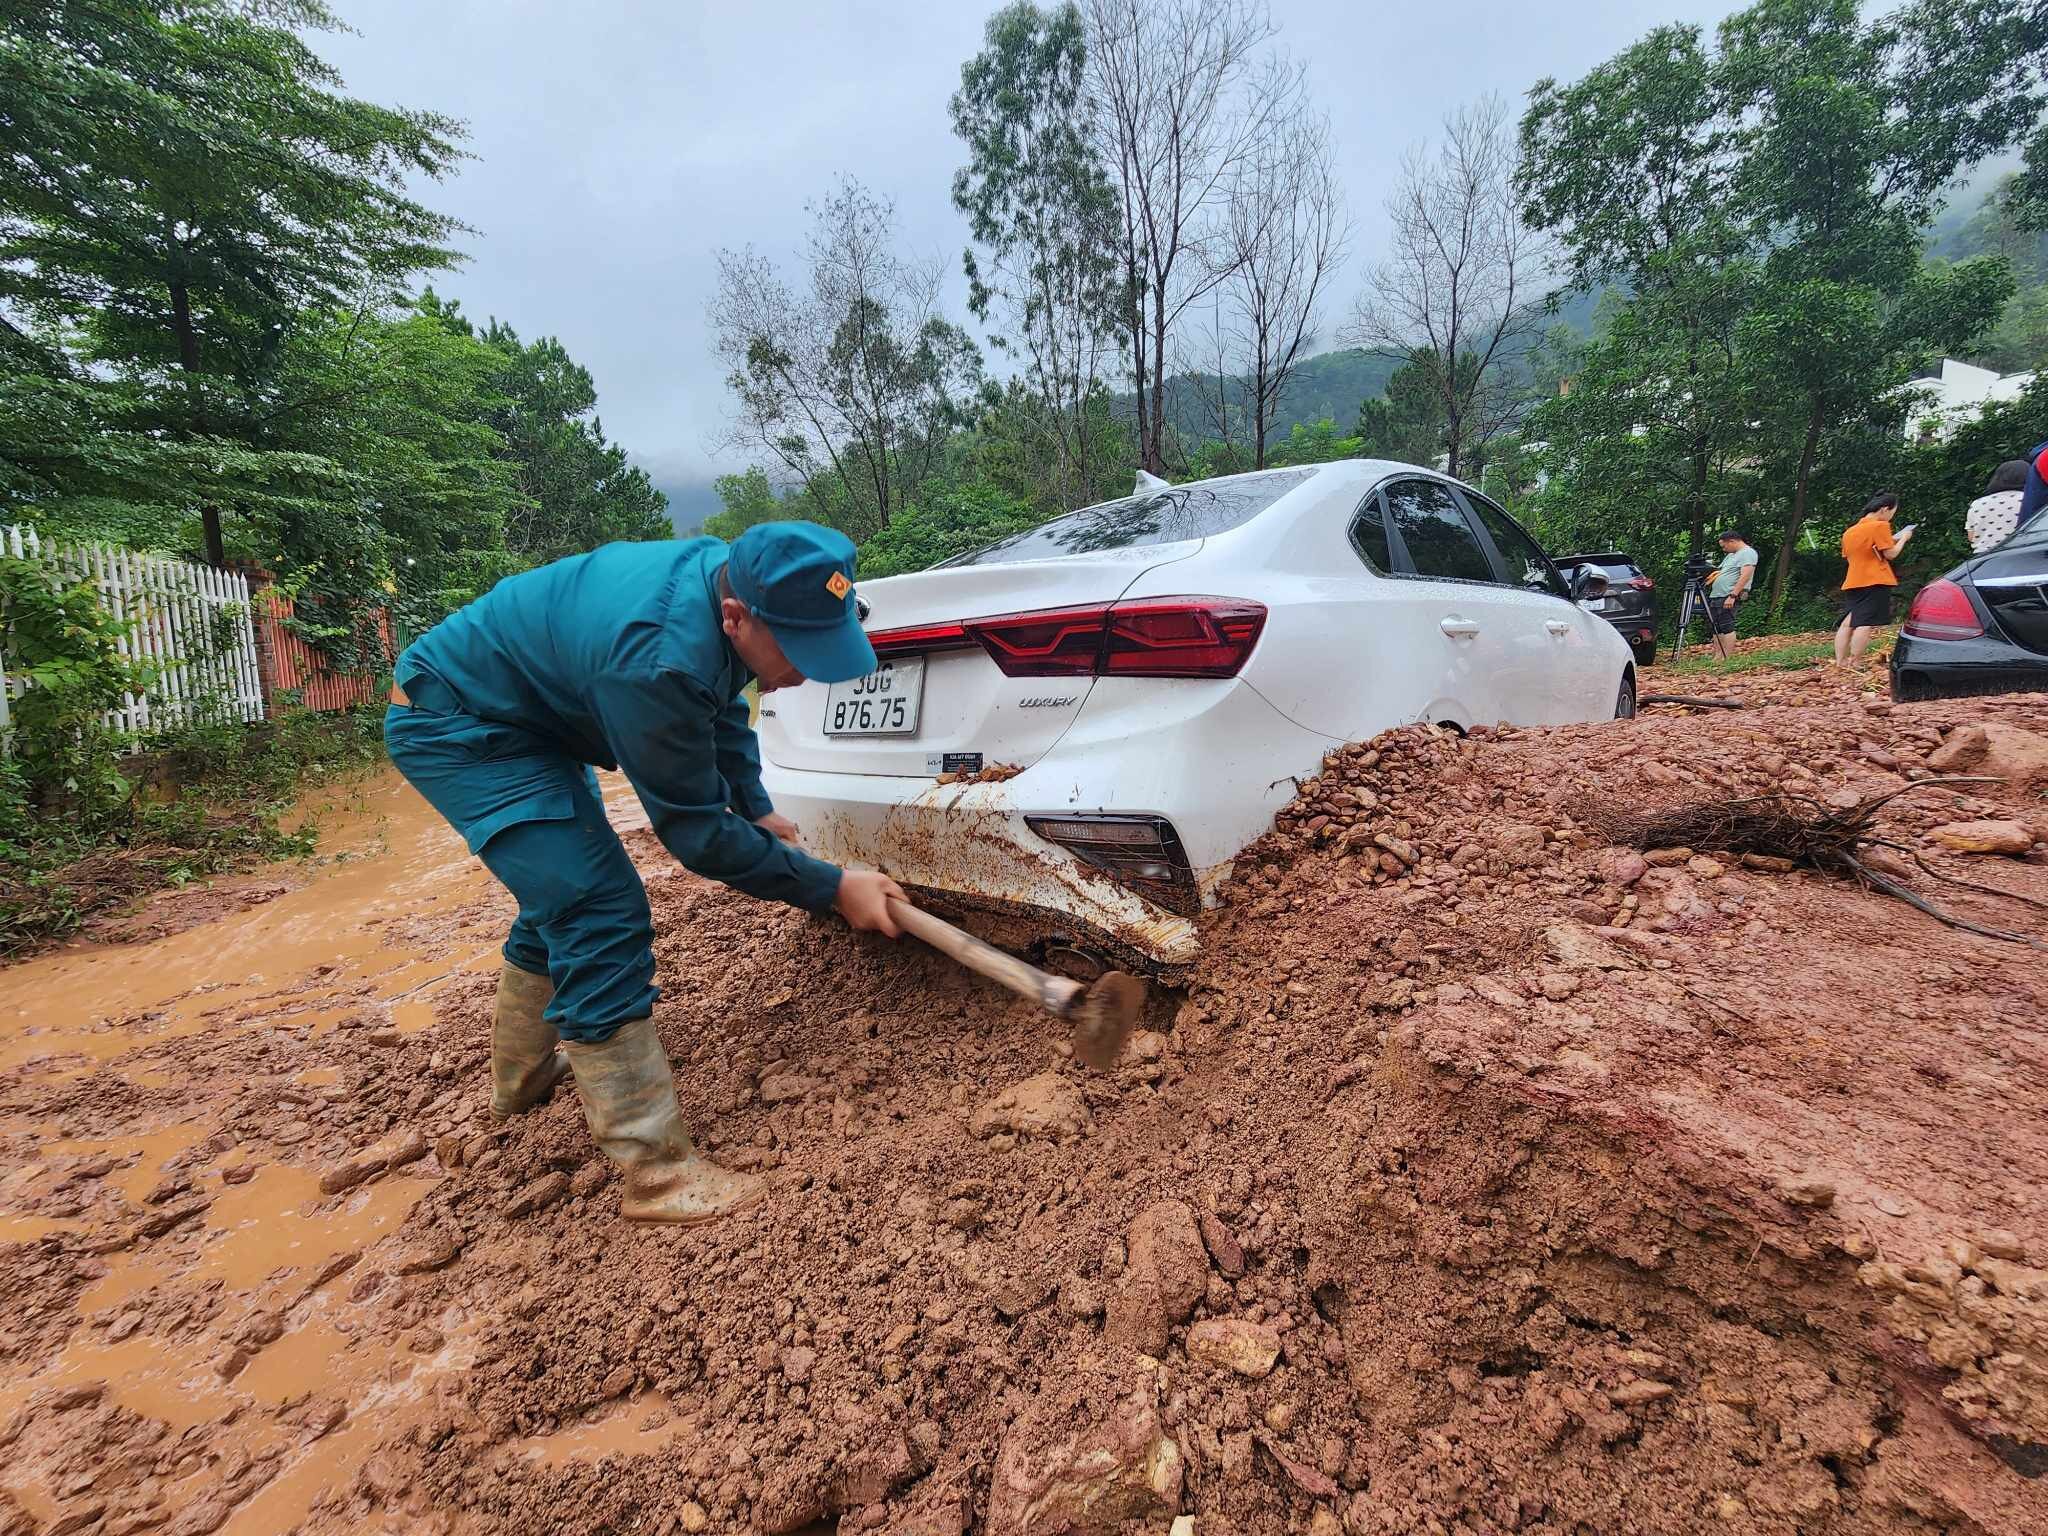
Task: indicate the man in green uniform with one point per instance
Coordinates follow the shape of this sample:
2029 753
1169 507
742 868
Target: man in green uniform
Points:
632 657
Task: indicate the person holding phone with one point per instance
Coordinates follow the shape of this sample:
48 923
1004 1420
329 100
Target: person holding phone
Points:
1869 546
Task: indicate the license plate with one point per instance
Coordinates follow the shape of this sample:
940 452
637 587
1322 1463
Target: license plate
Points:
884 703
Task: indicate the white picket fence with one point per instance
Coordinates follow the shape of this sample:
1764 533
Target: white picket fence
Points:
192 621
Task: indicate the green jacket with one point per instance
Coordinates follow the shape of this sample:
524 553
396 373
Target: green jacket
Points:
617 658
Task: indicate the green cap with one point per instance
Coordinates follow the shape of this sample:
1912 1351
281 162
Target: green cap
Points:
797 578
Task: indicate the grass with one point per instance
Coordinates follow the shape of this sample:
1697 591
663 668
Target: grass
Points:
1772 653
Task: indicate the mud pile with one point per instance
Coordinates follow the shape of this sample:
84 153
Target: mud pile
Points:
1484 1177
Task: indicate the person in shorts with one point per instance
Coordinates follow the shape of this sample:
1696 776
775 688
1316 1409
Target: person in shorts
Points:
1869 546
1731 584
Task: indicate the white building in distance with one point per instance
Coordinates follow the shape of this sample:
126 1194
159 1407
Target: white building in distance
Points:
1959 393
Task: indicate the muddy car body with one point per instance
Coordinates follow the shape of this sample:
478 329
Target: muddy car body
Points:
1083 725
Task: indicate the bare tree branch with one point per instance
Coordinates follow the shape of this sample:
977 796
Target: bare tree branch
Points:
1284 233
1169 89
1462 275
851 386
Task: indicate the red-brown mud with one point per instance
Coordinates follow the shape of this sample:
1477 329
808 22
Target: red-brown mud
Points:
1483 1178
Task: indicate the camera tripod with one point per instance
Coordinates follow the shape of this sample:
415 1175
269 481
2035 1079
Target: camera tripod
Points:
1695 605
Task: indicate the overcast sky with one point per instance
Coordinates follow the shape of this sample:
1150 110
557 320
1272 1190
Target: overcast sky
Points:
619 142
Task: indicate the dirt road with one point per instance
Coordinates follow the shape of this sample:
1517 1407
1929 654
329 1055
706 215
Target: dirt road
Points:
1485 1177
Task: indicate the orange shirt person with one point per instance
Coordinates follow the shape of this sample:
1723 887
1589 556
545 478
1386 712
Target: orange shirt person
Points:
1869 546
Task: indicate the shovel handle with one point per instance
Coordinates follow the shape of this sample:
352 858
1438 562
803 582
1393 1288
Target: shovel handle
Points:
1055 994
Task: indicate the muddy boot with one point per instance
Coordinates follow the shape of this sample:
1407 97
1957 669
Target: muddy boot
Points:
630 1101
525 1060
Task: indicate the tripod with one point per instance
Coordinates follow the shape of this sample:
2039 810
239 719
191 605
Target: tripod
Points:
1695 605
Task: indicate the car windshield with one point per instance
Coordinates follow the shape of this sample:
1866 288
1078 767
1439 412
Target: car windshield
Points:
1617 575
1156 517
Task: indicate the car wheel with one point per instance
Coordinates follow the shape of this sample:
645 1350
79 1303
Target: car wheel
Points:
1645 652
1625 704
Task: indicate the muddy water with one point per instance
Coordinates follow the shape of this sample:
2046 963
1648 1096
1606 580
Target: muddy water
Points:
374 925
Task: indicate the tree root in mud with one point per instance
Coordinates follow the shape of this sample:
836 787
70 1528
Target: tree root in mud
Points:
1799 828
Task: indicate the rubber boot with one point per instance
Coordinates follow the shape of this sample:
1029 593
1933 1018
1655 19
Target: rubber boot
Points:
630 1101
525 1060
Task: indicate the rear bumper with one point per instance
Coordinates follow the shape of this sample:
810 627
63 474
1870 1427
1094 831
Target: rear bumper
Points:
1213 758
1935 669
970 841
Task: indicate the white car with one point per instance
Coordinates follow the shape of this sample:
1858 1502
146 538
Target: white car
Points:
1082 725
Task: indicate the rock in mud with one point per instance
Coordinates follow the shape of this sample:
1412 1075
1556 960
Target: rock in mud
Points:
2001 1244
538 1195
76 1518
783 1088
1047 1105
1164 1278
1223 1248
1993 749
346 1176
1083 1461
2009 837
1234 1344
1310 1480
864 1464
1635 1394
161 1221
437 1250
1809 1190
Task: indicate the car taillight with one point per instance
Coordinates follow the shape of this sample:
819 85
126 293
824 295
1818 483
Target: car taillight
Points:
1143 852
1056 642
1641 583
918 639
1181 637
1943 611
1146 637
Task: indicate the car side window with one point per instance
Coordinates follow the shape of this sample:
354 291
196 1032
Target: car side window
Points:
1369 535
1526 566
1430 522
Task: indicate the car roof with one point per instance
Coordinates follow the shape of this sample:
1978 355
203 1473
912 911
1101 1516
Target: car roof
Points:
1611 556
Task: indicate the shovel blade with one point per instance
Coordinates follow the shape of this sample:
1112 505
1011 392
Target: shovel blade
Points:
1104 1017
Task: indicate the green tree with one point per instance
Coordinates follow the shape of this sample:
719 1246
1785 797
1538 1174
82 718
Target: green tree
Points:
948 522
1040 207
1407 422
578 488
182 186
1633 169
1012 442
1856 127
748 499
406 408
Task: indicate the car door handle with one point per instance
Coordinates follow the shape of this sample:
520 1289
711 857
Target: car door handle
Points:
1557 627
1459 629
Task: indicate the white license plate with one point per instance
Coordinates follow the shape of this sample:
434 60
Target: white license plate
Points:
884 703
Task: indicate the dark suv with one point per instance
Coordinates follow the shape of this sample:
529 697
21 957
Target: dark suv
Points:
1630 603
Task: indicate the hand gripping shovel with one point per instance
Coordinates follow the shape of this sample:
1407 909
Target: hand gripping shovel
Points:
1103 1014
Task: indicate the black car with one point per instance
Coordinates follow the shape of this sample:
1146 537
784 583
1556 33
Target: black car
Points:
1630 603
1982 628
